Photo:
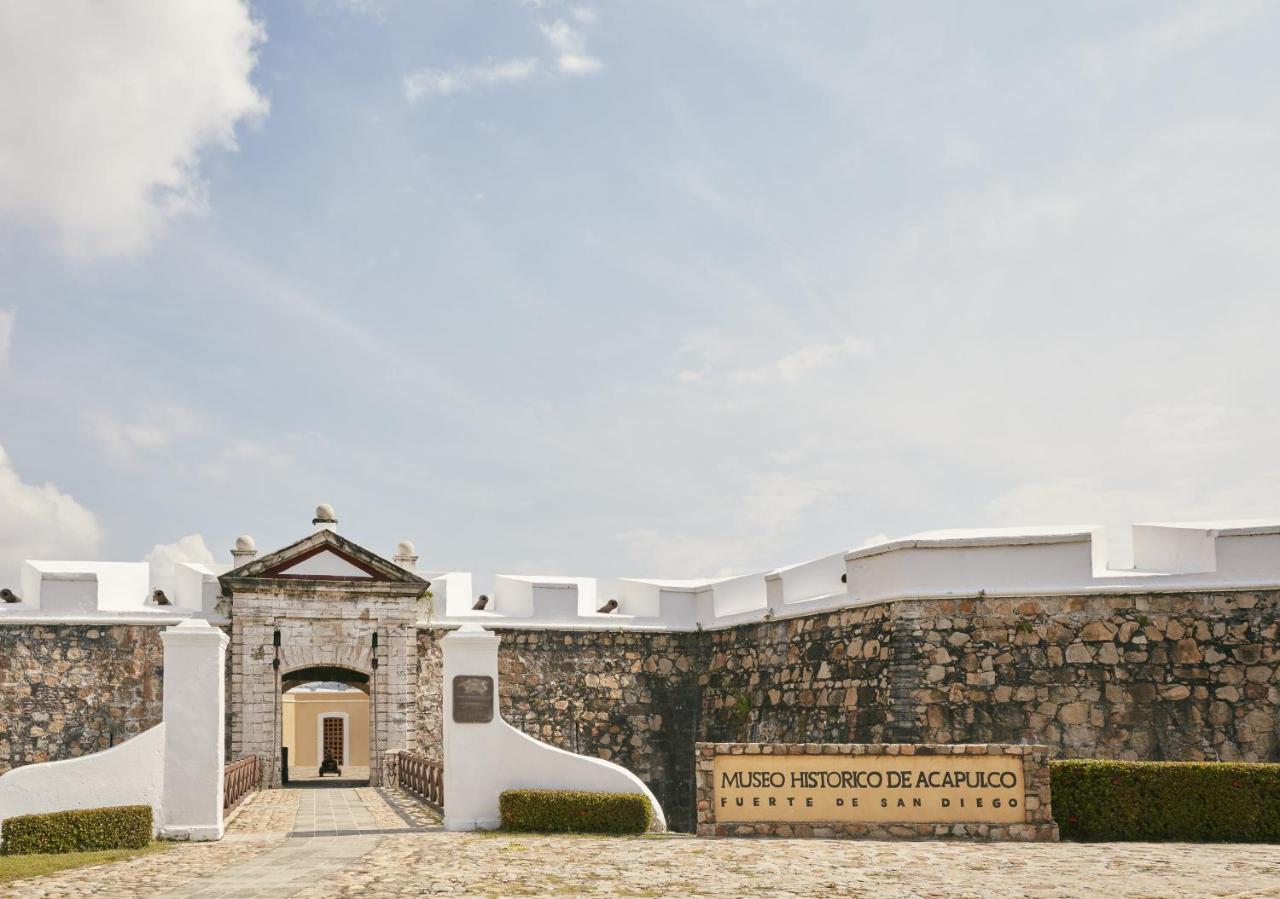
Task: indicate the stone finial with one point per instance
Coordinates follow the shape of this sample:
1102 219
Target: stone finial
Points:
406 556
325 517
245 551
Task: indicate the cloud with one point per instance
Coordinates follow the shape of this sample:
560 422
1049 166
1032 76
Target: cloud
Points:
804 362
40 522
375 9
569 45
704 353
153 433
245 455
6 334
110 109
1183 31
164 557
445 83
746 524
1194 458
564 36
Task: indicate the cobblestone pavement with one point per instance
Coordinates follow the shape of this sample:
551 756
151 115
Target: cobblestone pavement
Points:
396 851
516 865
267 811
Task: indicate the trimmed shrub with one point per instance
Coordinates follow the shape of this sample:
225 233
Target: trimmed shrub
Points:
80 830
572 811
1155 801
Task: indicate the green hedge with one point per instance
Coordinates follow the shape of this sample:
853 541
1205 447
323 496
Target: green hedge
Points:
1153 801
82 830
570 811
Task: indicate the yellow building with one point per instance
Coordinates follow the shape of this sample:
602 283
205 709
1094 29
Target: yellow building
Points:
319 716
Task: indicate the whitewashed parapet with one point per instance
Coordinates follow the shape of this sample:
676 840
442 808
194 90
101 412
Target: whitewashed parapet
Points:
937 564
81 587
196 588
1003 562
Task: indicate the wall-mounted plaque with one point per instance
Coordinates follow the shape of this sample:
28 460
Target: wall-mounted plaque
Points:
472 699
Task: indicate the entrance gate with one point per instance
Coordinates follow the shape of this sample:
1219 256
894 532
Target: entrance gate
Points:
323 608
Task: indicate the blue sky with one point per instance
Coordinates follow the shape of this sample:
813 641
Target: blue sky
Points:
632 288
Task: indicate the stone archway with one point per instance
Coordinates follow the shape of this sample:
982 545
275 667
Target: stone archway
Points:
327 709
323 603
351 677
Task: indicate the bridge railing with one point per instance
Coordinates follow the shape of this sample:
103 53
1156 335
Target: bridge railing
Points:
416 774
239 778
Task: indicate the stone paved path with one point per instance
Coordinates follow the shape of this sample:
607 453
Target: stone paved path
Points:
278 843
365 842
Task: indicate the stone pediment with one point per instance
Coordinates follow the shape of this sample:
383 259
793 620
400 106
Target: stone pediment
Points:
324 556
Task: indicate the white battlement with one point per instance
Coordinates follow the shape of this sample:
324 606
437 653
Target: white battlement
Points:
1145 557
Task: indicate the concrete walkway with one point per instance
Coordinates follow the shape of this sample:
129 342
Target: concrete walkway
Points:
332 828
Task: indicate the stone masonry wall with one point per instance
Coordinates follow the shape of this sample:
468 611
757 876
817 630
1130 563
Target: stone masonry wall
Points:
70 690
1145 676
820 679
1179 676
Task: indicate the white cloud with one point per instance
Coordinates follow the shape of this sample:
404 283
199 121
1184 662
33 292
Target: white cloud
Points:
569 45
564 36
373 8
154 432
1183 31
6 334
40 522
164 557
108 108
444 83
804 362
245 455
748 523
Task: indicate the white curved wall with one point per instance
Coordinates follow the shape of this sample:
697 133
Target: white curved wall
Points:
129 774
481 760
175 767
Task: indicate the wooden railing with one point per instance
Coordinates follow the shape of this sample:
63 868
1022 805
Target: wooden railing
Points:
421 776
238 779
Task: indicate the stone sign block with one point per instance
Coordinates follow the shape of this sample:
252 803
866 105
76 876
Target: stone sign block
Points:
982 791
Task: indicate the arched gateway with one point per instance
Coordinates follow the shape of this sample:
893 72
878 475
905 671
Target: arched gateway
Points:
324 609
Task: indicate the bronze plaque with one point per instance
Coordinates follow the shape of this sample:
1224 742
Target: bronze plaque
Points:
472 699
934 789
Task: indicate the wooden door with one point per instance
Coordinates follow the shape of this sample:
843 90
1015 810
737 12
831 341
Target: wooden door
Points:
333 740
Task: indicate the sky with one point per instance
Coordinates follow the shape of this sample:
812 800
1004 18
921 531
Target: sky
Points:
631 288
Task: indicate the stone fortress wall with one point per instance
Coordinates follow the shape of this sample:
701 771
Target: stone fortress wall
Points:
1176 676
68 689
1165 650
1180 675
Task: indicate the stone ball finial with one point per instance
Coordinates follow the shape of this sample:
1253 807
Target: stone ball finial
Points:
324 512
244 543
405 548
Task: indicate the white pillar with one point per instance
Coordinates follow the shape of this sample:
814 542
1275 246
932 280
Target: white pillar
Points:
194 653
468 756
